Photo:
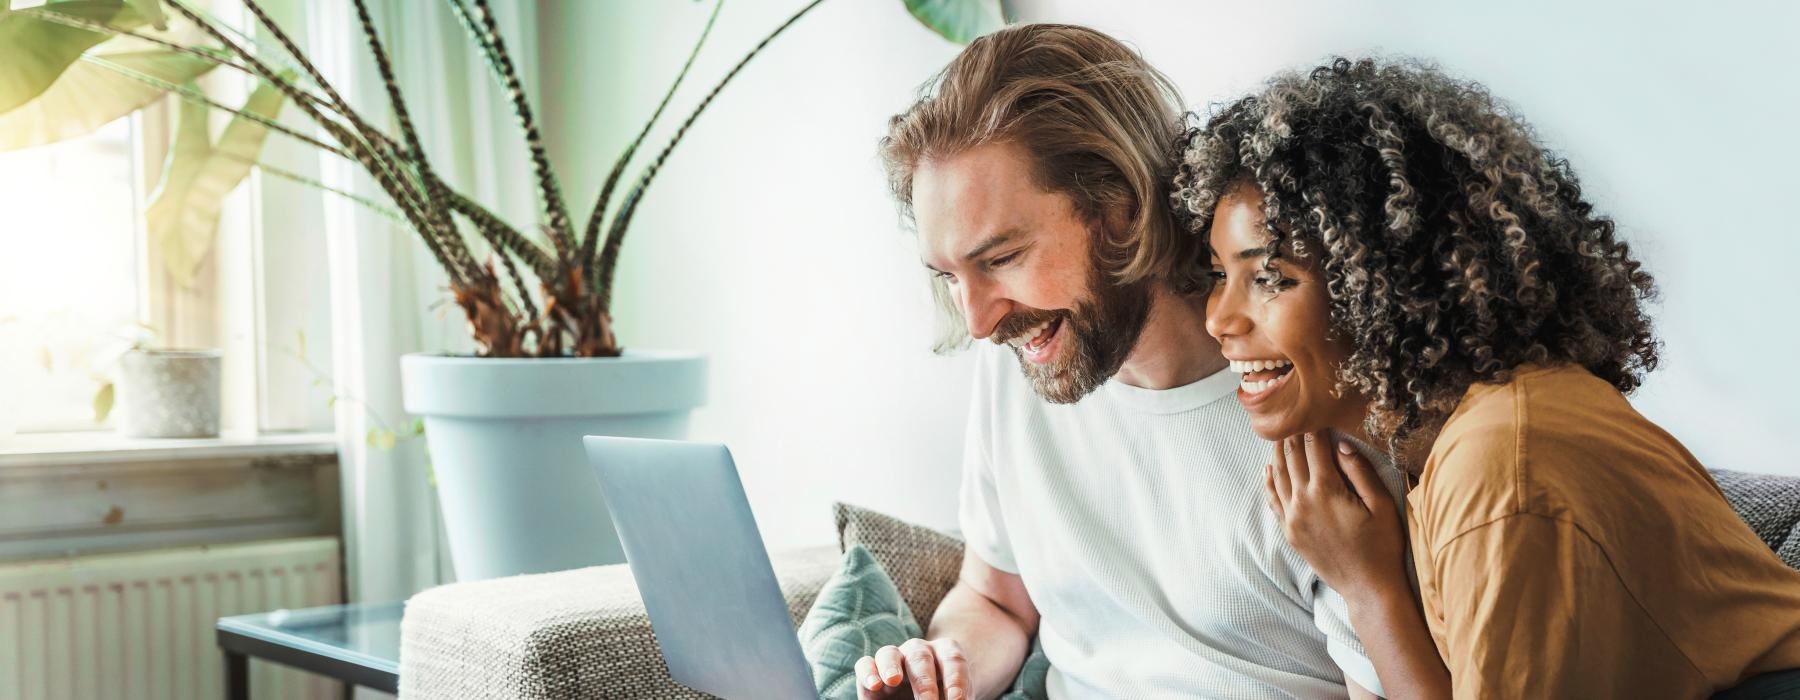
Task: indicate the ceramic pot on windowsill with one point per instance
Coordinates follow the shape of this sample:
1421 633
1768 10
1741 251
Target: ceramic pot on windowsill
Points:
169 394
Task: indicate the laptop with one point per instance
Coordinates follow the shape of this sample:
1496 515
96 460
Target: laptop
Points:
701 568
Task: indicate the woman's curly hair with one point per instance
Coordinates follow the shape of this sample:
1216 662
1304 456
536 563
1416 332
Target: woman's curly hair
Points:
1455 247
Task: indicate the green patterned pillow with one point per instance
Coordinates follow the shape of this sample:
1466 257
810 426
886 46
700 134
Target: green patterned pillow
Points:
860 610
1033 676
857 612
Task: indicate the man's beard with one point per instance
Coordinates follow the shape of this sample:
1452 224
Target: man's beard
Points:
1100 333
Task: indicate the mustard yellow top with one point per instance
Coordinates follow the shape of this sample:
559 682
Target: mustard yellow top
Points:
1569 548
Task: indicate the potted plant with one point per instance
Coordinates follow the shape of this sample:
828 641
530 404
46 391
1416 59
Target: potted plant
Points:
504 425
157 392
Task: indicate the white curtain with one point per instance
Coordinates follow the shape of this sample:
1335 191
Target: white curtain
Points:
388 296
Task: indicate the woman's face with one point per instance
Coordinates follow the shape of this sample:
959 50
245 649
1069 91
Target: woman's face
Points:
1275 333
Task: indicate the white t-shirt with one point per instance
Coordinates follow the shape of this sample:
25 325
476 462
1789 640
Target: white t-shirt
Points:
1137 520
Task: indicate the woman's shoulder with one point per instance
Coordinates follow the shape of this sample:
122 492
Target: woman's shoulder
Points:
1533 403
1546 441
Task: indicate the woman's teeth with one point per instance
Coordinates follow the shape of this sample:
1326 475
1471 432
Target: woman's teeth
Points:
1252 387
1248 366
1255 386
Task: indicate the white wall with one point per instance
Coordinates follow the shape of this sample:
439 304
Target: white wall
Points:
1680 119
769 241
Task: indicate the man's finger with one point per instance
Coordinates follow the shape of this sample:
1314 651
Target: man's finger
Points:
889 666
1323 471
953 669
921 669
867 680
1368 485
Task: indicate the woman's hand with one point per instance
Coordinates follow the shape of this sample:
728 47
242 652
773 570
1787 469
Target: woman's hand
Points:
1337 513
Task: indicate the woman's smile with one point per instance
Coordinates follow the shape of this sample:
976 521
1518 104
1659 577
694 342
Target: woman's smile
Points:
1261 378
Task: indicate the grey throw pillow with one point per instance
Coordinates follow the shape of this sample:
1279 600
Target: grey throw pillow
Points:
1770 505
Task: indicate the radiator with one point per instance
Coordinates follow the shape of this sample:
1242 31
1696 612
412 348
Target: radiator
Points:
140 625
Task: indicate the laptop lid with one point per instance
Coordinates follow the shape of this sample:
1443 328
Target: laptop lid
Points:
700 566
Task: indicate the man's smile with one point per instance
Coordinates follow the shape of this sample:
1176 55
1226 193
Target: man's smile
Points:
1035 343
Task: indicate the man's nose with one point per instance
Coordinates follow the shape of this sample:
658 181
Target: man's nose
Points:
983 308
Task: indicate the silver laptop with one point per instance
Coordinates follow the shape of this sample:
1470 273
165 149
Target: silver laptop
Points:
701 568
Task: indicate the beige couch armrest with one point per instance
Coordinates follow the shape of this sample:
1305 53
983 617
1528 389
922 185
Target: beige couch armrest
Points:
570 634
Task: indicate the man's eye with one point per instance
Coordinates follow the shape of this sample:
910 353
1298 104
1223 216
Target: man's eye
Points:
1003 260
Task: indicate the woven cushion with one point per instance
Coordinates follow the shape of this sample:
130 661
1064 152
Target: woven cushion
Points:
570 634
922 562
857 612
1770 505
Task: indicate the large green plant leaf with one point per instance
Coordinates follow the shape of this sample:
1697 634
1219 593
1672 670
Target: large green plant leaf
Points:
35 51
960 20
95 91
151 11
183 216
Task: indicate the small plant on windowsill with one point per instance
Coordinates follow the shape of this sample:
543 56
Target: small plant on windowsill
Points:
504 427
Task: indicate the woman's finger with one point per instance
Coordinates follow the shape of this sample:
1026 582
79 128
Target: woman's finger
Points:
1295 455
1269 492
1322 472
1362 476
1279 466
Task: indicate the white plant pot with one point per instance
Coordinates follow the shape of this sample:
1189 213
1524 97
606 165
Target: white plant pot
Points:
168 394
505 440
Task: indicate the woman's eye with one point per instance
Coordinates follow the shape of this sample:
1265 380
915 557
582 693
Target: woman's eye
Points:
1216 274
945 276
1271 284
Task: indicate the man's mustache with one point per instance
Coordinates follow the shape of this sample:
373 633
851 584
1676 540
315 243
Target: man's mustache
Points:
1021 321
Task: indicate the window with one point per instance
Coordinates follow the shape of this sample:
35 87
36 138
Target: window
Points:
79 285
69 289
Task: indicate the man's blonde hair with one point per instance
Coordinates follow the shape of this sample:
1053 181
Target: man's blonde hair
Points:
1098 124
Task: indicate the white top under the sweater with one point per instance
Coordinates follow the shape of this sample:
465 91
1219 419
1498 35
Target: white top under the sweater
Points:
1137 521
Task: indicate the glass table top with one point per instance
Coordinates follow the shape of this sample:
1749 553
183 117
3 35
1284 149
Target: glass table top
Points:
366 634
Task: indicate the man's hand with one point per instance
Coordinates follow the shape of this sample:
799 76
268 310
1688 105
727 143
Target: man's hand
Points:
934 670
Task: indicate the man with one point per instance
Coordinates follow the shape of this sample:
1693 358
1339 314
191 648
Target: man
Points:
1111 494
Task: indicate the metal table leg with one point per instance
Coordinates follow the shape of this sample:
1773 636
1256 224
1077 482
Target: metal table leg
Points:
237 676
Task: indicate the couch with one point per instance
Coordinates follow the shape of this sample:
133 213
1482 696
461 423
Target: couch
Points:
583 633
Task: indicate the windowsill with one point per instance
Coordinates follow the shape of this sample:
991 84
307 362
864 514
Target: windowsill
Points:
44 449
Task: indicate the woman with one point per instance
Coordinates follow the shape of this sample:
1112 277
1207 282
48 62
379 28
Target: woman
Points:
1396 261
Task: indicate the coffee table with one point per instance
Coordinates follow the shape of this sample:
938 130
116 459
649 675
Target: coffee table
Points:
357 643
